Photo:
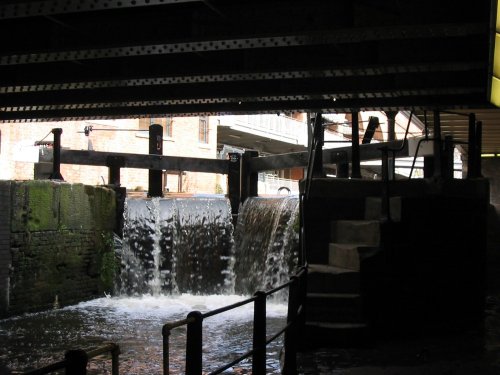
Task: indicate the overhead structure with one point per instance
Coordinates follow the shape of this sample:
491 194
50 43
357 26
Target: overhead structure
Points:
83 59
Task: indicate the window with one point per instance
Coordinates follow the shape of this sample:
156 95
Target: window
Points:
166 122
203 130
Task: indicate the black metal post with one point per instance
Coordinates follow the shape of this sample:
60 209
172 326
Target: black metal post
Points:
115 365
290 365
391 136
428 166
165 332
342 169
385 208
76 362
234 183
249 179
448 162
317 144
155 188
479 149
355 159
471 157
56 161
194 344
259 334
438 162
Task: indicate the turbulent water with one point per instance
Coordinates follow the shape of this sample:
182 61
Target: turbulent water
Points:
35 340
177 255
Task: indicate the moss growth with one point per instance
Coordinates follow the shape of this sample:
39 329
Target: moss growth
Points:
108 264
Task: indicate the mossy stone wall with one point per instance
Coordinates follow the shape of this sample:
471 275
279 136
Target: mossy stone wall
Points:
60 244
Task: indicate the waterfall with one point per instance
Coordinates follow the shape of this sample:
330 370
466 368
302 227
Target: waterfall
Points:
181 245
266 243
186 245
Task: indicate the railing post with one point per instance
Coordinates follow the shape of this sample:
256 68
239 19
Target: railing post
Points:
302 299
115 365
259 334
76 362
165 332
290 365
194 343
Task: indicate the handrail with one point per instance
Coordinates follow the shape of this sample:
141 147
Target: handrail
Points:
194 322
75 361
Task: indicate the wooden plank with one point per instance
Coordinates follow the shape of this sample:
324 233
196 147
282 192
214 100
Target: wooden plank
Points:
144 161
369 151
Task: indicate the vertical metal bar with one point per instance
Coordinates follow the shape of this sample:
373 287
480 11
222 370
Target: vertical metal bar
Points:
355 159
471 163
259 334
479 149
165 332
385 205
56 161
115 364
318 142
437 145
448 164
155 188
194 344
76 362
290 365
234 183
249 179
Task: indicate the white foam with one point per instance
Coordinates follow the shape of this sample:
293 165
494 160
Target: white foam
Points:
176 307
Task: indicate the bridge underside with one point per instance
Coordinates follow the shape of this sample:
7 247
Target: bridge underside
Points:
113 59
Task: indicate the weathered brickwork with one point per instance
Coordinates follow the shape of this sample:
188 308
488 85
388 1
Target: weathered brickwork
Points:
59 244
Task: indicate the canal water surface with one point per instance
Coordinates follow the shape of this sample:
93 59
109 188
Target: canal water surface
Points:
34 340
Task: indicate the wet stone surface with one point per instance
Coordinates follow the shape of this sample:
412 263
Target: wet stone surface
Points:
464 353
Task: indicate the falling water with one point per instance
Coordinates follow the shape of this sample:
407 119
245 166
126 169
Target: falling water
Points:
266 243
185 245
181 245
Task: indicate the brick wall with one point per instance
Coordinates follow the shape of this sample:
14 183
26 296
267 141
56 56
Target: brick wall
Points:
108 136
60 244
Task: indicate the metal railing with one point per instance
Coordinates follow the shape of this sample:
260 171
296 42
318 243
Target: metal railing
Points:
295 321
75 361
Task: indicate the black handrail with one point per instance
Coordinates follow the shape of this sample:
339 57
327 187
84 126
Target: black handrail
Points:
75 361
194 322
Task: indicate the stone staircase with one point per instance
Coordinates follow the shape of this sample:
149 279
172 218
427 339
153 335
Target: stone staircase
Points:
335 312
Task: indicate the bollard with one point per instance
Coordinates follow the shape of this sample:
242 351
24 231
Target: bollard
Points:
194 344
76 362
259 334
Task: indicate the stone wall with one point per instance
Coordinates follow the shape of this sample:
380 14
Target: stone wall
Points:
59 248
5 255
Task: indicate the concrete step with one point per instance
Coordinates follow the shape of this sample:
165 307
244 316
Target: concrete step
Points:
349 256
323 278
334 307
356 231
320 334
